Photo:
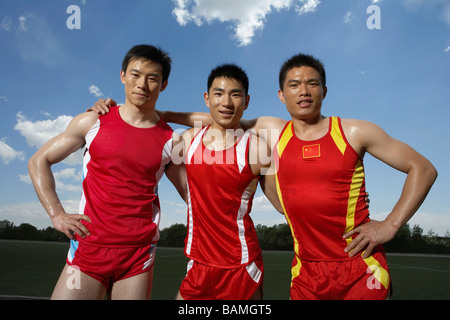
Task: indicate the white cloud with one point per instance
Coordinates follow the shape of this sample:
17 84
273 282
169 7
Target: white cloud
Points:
68 173
448 49
248 17
4 98
95 91
348 17
64 174
8 154
7 24
261 203
37 133
36 41
306 6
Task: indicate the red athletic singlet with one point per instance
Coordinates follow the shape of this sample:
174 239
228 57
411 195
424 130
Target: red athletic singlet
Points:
122 167
221 187
321 185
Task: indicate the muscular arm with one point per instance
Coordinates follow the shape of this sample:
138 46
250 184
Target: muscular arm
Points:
367 137
260 159
43 180
176 171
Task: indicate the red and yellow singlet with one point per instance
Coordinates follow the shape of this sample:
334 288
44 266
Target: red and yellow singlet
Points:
321 186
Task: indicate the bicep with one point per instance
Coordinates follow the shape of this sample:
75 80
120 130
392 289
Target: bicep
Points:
68 142
60 148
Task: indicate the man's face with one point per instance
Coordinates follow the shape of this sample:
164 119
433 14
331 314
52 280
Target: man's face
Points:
143 82
226 101
303 92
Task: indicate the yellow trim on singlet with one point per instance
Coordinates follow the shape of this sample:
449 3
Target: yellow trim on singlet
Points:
282 143
336 134
355 189
296 269
380 273
285 138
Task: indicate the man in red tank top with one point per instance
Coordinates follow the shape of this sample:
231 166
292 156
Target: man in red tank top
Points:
226 261
113 236
320 183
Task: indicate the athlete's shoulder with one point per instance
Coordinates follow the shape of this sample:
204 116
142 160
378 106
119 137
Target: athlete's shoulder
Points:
356 126
83 122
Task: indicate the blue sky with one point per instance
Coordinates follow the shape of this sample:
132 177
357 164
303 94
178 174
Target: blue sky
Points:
396 76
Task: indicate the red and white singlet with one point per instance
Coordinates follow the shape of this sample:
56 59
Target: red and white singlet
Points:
221 187
122 166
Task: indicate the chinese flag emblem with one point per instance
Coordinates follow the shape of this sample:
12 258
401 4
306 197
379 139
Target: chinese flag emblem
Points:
312 151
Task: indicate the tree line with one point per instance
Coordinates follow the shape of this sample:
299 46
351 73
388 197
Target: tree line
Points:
277 237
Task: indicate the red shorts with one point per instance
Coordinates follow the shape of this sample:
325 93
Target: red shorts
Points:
108 265
210 283
356 279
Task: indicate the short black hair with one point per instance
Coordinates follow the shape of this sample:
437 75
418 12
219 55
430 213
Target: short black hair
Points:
151 53
302 60
231 71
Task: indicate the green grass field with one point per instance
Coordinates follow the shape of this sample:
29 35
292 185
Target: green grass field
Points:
31 269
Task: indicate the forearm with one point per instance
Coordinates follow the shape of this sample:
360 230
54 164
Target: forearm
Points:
189 119
45 186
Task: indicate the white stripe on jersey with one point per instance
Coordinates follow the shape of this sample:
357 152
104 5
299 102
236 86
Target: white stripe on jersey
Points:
241 151
90 136
254 272
246 196
241 161
194 144
191 221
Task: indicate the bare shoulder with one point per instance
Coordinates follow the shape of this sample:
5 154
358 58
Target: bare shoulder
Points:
86 119
365 135
355 127
82 123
